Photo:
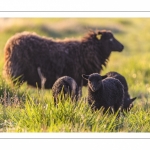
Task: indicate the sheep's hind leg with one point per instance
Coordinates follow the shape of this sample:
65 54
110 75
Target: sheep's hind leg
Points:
43 79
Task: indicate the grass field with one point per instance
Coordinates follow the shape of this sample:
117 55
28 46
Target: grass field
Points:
32 110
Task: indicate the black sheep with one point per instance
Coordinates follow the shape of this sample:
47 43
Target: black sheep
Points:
128 102
104 92
65 86
26 52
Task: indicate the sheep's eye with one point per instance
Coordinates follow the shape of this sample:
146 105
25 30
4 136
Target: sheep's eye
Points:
111 39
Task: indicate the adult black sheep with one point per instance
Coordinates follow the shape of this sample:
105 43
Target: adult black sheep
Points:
26 53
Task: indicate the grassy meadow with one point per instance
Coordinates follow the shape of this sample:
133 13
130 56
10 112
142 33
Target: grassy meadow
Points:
28 109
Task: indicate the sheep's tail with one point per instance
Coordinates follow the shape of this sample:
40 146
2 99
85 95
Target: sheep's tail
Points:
43 79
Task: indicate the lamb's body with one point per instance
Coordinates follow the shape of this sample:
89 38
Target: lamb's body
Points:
107 93
25 52
67 86
122 79
128 102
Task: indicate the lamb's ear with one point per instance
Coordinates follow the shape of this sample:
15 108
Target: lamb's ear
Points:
103 77
85 76
98 35
133 99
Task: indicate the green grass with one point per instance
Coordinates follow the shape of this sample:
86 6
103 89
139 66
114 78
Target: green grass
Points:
27 109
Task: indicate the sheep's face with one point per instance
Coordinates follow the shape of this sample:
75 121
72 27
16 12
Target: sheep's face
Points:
94 81
110 41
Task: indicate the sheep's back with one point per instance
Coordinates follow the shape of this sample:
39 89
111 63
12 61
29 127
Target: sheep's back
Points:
120 78
25 52
123 81
66 85
113 91
60 86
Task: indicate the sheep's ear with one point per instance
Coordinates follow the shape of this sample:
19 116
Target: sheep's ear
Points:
85 76
103 77
98 36
133 99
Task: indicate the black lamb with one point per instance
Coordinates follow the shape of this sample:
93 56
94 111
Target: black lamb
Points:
104 92
128 102
65 86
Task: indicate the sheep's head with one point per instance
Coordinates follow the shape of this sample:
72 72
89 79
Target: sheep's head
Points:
109 40
94 81
128 104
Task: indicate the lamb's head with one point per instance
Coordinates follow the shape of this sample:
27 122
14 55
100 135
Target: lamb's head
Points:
94 81
109 41
128 104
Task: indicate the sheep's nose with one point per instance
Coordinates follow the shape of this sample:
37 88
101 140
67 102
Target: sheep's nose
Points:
121 47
